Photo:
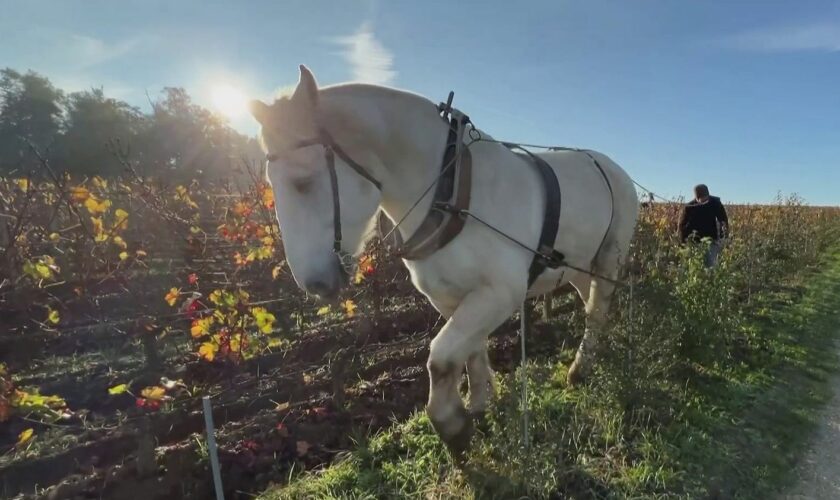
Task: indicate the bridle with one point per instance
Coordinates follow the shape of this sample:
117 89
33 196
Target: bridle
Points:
331 149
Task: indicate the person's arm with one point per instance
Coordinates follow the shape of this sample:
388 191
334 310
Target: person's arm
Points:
723 219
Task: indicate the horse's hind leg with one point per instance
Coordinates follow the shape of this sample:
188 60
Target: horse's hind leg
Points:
597 306
463 334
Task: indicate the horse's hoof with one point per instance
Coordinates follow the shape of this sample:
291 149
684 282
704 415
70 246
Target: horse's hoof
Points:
459 443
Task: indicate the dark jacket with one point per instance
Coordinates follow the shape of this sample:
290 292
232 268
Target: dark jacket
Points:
703 219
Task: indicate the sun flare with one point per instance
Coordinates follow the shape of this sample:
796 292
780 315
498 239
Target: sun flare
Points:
228 100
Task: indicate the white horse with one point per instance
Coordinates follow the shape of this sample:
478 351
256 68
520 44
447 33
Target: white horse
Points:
477 280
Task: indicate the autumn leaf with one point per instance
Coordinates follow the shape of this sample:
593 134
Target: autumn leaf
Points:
276 271
24 437
53 316
192 279
100 183
349 308
79 194
265 320
208 351
172 296
241 209
99 234
5 410
201 327
323 310
23 184
120 242
54 237
121 219
118 389
154 393
96 207
123 255
140 253
268 197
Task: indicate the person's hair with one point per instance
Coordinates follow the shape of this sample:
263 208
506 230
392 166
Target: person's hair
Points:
701 191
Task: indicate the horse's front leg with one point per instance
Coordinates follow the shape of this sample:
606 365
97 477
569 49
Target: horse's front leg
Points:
478 314
482 383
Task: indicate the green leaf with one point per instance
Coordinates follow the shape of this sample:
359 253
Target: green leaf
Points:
118 389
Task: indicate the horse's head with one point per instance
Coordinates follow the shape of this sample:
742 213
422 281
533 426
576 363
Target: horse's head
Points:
305 195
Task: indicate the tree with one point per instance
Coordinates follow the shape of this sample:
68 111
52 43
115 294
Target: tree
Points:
30 111
188 140
92 122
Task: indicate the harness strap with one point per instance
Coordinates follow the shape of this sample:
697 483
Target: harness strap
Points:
445 219
326 140
546 256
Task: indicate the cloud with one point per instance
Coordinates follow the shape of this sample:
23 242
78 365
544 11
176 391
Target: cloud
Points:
87 52
820 37
369 59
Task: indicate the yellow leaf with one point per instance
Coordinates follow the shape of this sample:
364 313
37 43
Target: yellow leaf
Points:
323 310
53 317
268 197
172 296
120 242
118 389
140 253
121 221
265 320
99 234
195 230
96 207
100 183
123 255
54 237
154 392
276 271
349 308
24 437
23 184
208 351
201 327
79 194
43 270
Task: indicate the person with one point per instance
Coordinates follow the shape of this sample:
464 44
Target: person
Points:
704 217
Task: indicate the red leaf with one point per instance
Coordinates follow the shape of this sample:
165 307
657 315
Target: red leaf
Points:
192 279
140 402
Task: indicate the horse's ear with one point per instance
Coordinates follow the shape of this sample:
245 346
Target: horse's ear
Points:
259 110
307 88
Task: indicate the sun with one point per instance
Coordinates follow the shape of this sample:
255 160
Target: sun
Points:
228 100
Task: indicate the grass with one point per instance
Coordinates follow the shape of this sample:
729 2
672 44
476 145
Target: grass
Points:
701 430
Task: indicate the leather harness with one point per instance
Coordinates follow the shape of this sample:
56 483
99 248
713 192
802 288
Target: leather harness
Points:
450 207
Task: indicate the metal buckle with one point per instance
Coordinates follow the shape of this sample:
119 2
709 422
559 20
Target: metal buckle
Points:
552 258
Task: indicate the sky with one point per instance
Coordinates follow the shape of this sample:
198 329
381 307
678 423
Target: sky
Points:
741 95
